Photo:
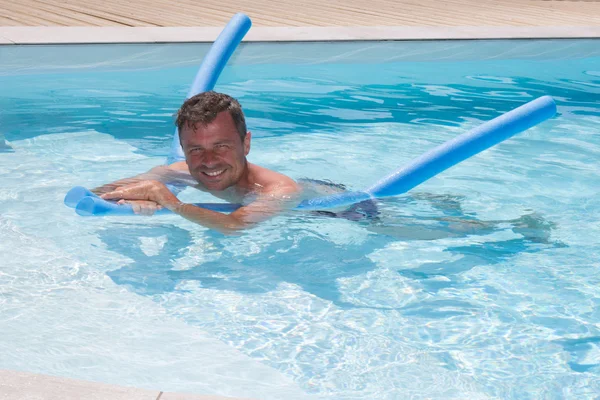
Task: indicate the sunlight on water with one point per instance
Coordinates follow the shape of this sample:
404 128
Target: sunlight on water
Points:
480 283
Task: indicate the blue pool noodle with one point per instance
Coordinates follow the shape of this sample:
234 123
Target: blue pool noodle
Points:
87 204
415 172
446 155
464 146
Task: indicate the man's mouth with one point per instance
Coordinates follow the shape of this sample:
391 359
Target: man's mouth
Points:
213 174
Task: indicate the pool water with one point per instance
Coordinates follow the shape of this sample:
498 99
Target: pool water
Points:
481 283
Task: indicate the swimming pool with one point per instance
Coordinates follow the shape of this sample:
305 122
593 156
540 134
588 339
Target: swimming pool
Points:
480 283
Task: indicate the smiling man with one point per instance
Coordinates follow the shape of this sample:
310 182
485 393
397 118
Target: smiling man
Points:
215 141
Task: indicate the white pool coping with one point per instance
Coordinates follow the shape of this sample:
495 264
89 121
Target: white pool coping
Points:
28 386
68 35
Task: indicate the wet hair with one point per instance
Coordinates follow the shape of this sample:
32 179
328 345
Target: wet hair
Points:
204 107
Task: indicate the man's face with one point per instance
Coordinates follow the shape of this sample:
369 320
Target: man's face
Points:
215 153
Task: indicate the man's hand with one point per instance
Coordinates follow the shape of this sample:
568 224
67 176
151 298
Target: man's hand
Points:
142 207
149 191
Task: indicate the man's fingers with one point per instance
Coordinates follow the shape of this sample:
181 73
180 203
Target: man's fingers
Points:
104 189
117 194
142 207
136 208
147 211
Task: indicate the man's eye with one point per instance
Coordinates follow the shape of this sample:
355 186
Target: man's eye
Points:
195 150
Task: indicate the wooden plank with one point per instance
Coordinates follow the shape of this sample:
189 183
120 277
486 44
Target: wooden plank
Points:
564 12
132 12
53 16
300 13
26 19
7 21
524 13
83 19
100 11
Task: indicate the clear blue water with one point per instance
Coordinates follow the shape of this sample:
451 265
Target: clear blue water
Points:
481 283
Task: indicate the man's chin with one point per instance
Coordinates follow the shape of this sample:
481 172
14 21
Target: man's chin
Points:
214 186
211 184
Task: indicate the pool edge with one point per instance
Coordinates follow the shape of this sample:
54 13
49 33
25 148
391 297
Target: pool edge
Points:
95 35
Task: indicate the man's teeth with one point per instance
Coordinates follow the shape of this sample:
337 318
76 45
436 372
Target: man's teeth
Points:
215 173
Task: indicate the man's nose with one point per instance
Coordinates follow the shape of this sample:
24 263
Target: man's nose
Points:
210 159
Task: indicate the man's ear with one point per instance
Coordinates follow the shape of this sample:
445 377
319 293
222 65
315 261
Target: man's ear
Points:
247 141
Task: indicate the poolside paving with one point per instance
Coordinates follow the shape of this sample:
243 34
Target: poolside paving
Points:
26 386
162 21
278 13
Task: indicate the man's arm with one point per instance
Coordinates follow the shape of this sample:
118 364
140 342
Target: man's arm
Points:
175 173
270 202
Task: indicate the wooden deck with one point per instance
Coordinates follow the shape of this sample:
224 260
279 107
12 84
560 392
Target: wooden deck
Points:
286 13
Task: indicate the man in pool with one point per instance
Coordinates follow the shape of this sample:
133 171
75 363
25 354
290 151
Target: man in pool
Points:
215 141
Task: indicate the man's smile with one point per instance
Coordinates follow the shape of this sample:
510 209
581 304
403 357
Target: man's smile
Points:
213 174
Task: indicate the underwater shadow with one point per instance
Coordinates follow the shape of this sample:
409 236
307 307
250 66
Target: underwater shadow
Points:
151 249
533 230
313 260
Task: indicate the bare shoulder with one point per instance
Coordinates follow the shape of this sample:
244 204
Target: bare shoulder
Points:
176 173
273 182
180 166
